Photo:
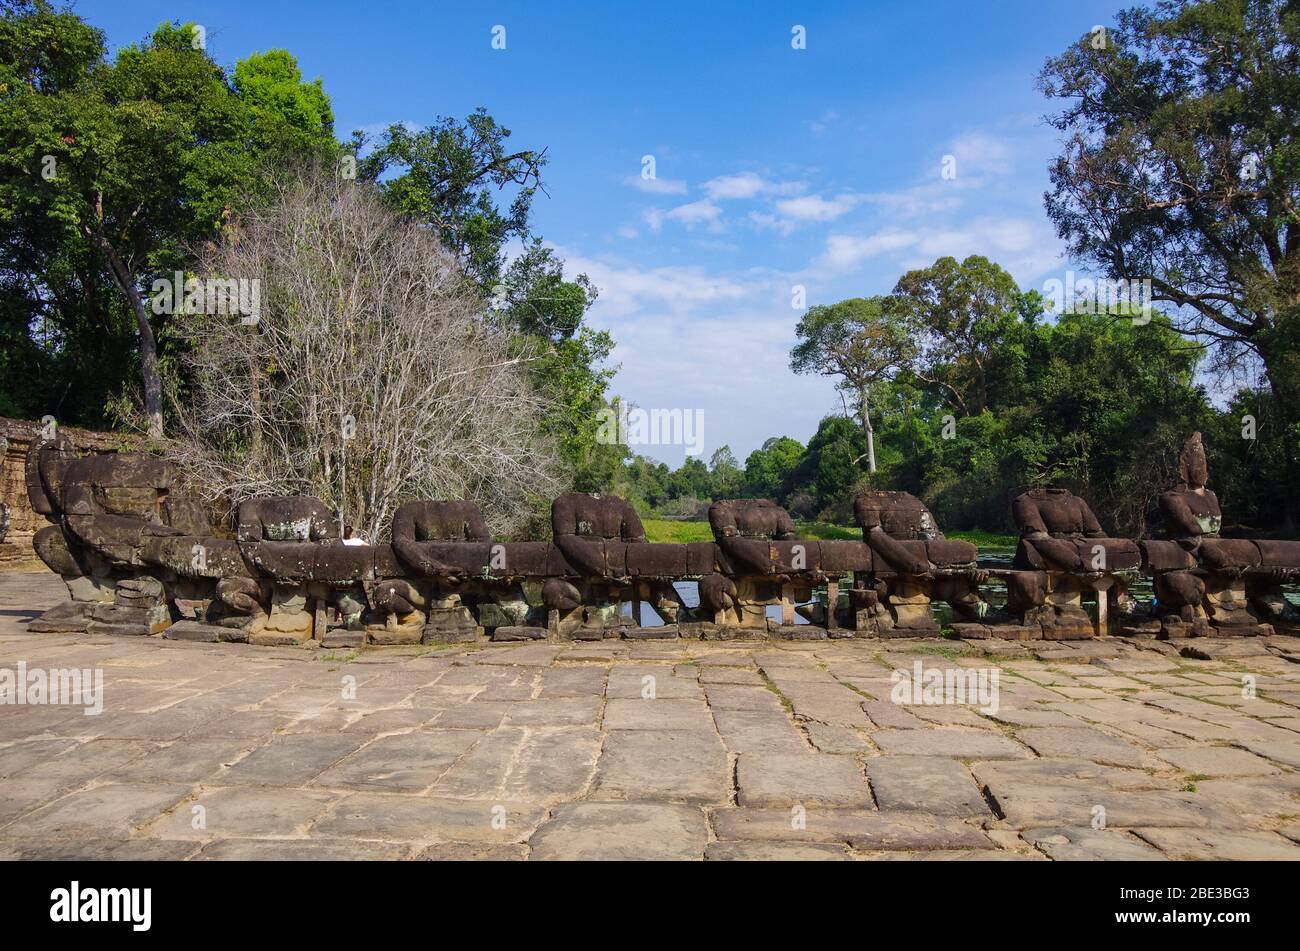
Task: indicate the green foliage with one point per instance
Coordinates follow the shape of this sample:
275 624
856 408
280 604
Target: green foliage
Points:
1099 402
970 321
1182 164
110 172
447 174
768 469
283 111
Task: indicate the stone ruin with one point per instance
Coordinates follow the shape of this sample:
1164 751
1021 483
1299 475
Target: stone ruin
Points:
139 557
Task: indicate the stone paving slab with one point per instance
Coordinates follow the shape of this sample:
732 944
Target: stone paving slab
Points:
779 779
672 749
931 784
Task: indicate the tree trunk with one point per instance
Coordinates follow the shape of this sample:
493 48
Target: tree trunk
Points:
1280 365
865 411
149 374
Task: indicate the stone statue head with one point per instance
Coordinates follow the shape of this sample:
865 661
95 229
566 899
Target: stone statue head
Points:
1193 471
48 458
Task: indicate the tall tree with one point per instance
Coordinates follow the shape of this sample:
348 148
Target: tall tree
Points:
446 174
858 342
1181 164
476 192
967 319
123 166
768 469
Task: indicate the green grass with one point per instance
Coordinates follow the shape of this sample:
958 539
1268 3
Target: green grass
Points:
339 658
985 539
665 530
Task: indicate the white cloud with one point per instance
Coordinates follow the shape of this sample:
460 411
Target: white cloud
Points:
658 186
690 338
747 185
817 208
1026 247
702 212
626 289
981 153
928 199
844 252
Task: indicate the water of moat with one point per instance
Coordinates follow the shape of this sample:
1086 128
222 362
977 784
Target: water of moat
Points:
992 592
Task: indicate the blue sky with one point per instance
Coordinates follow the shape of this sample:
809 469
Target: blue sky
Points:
775 167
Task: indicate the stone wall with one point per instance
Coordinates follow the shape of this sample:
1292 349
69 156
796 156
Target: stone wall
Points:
16 550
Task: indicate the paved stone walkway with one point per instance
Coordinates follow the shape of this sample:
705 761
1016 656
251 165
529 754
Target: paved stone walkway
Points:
674 750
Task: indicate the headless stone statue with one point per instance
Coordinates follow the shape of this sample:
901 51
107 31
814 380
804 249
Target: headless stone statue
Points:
744 529
908 546
582 524
422 532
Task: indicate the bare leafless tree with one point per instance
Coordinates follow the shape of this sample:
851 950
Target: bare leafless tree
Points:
369 377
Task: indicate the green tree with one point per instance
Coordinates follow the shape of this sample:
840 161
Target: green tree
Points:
832 465
967 319
447 174
568 359
768 469
109 172
285 113
858 342
1182 165
728 477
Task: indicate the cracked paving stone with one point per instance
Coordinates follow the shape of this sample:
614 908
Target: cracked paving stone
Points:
774 779
87 849
643 682
298 850
684 766
751 731
1218 761
1026 806
732 697
1045 772
404 818
403 762
872 831
837 739
585 831
1086 743
950 741
111 809
186 761
242 811
933 784
1073 844
657 714
289 760
1222 845
537 765
774 852
555 711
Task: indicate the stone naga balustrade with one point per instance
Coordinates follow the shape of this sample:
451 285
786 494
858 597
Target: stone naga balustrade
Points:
140 558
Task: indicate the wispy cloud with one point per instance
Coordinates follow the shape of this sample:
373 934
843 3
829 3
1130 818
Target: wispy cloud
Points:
658 186
703 212
747 185
844 252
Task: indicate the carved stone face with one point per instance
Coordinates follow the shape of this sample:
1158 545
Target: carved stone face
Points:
1193 470
47 460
